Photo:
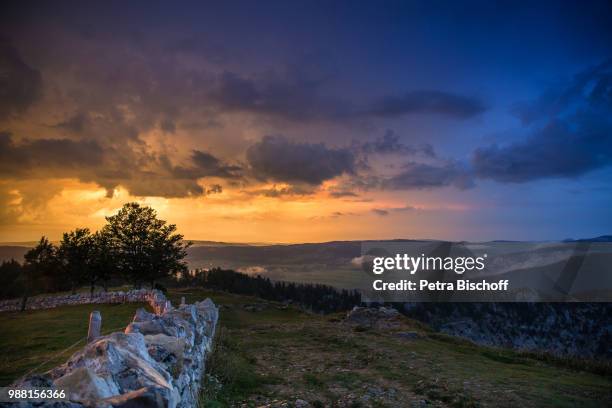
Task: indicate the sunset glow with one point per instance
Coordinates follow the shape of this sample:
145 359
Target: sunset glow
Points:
292 134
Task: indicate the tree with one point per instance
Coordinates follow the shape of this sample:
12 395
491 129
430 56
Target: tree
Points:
168 252
103 261
41 270
75 252
146 247
11 279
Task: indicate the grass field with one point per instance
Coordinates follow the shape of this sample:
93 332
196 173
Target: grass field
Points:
266 353
282 354
32 338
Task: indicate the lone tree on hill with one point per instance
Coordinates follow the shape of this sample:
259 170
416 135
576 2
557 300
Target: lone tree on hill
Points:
146 247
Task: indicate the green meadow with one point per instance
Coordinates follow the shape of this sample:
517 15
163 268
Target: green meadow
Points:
268 353
38 340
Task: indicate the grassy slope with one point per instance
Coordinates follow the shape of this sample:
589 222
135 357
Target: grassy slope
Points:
284 354
31 338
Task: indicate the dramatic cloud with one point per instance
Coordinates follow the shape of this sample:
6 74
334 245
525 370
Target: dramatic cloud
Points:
142 173
20 84
289 96
53 157
386 211
206 165
575 137
417 176
401 166
390 143
279 159
299 96
342 194
75 124
429 102
280 191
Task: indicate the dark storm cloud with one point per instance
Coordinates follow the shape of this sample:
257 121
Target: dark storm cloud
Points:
305 166
342 194
276 192
60 156
418 176
419 167
428 102
207 165
554 151
298 96
20 84
290 96
571 133
141 173
74 124
386 211
279 159
390 143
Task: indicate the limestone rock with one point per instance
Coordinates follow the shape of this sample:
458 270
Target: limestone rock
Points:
157 362
371 317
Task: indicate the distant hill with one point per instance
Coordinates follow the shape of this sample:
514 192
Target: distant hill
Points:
9 252
602 238
325 262
198 243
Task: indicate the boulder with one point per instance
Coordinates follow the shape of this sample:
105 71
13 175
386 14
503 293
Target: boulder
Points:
113 365
141 398
82 384
371 317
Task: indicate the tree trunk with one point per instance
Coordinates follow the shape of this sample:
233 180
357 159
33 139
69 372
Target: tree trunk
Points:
27 285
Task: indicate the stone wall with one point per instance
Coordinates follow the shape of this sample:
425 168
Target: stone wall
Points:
158 361
155 298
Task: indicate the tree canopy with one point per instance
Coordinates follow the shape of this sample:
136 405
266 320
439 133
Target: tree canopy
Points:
134 245
146 247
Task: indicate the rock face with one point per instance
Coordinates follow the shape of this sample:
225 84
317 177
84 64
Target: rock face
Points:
574 329
374 317
157 362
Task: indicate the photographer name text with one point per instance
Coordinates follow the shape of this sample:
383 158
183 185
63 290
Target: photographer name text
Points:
462 285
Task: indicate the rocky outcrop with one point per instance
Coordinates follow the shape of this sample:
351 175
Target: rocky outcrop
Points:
374 317
157 361
566 329
155 298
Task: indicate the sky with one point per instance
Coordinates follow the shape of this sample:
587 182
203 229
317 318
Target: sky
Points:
308 121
